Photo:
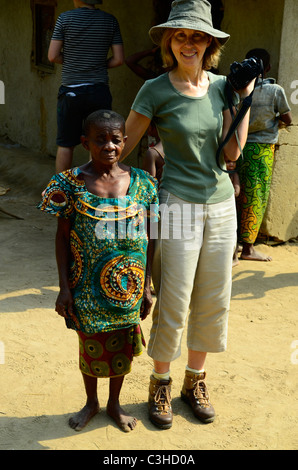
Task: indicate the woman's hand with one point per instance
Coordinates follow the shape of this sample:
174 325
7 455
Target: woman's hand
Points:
64 303
247 90
147 302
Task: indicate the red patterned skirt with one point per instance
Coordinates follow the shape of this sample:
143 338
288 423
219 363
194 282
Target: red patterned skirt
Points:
110 354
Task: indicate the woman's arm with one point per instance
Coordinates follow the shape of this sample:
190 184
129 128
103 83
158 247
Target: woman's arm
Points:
231 149
117 58
133 63
135 127
286 118
147 296
64 300
55 53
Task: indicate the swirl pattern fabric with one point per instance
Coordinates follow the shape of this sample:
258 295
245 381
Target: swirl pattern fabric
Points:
255 173
108 242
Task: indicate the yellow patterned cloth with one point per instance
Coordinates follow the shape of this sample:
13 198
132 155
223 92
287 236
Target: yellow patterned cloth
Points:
108 242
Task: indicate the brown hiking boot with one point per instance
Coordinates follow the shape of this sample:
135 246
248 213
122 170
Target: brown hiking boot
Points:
159 403
195 393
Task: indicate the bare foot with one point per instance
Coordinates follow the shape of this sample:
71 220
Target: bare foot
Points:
125 422
82 418
249 253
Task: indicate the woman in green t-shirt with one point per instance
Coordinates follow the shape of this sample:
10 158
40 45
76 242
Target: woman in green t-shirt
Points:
193 255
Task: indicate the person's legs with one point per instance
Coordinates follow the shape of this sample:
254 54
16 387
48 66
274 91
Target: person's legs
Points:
255 173
124 421
69 127
196 359
174 270
209 307
161 367
210 300
82 418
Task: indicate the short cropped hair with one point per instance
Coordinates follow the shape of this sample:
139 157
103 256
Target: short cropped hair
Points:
103 116
210 59
260 54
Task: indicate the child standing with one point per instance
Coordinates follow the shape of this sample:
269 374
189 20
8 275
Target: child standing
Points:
102 243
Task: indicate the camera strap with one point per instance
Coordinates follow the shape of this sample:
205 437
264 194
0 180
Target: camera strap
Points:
236 120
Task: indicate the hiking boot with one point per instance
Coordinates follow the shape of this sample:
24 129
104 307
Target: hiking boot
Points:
195 393
159 403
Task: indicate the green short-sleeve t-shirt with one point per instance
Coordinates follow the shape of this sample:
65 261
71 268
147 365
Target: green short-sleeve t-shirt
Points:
190 129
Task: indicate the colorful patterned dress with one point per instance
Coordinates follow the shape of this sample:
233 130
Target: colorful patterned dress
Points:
108 242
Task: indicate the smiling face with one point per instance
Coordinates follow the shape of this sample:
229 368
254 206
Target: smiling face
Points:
189 46
105 141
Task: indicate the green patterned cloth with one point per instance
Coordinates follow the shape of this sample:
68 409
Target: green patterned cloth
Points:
108 242
255 173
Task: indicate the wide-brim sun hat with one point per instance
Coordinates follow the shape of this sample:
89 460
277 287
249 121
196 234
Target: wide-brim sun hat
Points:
189 14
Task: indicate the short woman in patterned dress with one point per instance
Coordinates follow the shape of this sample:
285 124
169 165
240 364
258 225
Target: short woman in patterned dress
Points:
104 208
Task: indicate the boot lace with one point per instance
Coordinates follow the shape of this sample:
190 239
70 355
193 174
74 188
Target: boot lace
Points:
201 393
162 398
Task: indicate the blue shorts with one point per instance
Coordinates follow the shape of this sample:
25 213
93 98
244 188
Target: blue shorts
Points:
74 105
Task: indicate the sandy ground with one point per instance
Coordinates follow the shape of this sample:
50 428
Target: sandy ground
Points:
253 385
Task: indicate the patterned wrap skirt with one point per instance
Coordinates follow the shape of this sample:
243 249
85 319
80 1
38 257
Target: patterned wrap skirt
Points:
255 173
109 354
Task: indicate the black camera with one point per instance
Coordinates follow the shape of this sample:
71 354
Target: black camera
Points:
241 73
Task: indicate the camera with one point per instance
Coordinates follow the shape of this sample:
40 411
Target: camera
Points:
241 73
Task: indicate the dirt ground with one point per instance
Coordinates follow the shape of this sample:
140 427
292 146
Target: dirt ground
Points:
253 385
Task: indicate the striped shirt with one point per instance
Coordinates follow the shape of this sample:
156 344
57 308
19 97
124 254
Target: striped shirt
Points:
87 36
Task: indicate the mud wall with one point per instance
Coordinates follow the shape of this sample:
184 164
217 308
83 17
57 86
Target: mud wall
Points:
28 115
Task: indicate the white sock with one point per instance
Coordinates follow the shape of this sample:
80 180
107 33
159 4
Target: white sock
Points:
165 376
194 371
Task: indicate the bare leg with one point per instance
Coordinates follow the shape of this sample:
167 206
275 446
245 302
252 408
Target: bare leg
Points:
125 422
161 367
64 158
196 359
249 253
82 418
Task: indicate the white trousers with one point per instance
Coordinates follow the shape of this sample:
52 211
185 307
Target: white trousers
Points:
192 276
